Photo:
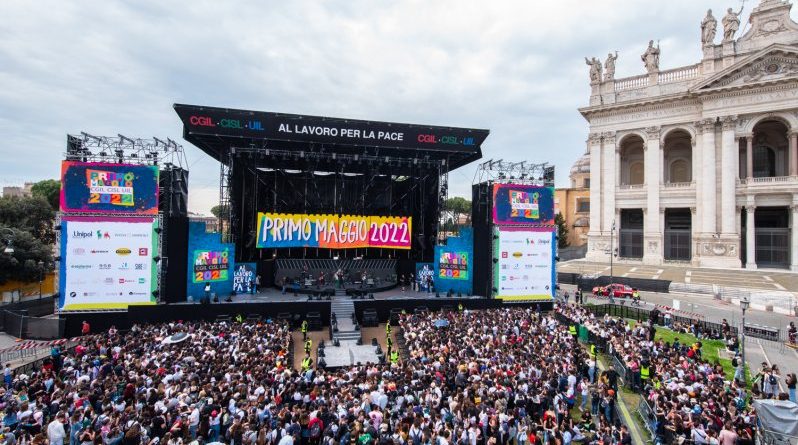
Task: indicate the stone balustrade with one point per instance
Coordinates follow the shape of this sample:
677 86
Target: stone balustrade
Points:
631 83
678 74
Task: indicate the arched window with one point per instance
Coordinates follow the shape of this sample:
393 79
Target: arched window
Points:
764 162
680 171
636 173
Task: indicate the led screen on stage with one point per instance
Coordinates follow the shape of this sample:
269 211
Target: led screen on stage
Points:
107 263
515 204
109 188
211 265
333 231
524 269
453 265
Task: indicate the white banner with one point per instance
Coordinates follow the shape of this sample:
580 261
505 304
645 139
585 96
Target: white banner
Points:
107 264
525 267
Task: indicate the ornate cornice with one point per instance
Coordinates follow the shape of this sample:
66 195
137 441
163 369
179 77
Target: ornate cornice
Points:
728 122
653 132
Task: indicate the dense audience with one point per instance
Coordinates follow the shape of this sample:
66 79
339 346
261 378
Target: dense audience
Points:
691 397
495 377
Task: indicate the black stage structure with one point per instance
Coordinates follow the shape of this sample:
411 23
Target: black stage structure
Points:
288 163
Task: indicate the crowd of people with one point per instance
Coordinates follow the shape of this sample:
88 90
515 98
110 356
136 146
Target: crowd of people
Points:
691 398
510 376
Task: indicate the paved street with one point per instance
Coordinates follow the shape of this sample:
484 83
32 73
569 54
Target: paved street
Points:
777 280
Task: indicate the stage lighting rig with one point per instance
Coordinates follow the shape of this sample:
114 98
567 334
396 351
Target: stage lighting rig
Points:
86 147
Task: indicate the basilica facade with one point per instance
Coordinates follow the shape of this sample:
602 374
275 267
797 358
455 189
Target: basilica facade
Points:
699 164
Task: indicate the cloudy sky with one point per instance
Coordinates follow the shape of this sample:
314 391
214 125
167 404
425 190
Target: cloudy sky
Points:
514 67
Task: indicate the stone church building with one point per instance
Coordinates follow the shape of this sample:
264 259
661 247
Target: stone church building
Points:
699 164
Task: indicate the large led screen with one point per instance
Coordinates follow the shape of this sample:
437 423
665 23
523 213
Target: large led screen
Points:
524 269
520 204
93 187
107 263
277 230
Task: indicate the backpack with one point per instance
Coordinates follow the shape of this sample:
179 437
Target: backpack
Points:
772 380
315 431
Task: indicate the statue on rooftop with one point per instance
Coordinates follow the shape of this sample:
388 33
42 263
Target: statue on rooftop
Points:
709 26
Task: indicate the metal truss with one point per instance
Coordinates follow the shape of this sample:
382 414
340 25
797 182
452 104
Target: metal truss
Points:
523 172
124 150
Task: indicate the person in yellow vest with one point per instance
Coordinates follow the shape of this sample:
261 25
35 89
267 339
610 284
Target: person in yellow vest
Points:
593 352
572 330
308 346
388 328
645 374
304 329
460 307
307 362
394 357
239 318
389 342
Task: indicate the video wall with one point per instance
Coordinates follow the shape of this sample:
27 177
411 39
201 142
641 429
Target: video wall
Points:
525 268
276 230
453 265
211 265
92 187
521 204
107 263
109 235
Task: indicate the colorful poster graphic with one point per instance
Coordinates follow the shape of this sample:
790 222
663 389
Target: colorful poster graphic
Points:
107 263
523 204
525 266
276 230
210 265
244 278
453 265
91 187
425 276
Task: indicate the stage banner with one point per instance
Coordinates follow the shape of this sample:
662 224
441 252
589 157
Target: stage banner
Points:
107 263
425 276
244 278
210 265
277 230
453 265
523 204
525 266
95 187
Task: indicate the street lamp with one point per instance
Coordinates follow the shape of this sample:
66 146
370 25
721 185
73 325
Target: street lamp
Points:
41 277
612 247
744 303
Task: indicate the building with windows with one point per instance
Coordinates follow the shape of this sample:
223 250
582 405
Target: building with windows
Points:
574 202
699 164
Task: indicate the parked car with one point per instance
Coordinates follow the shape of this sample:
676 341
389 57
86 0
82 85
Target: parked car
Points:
616 290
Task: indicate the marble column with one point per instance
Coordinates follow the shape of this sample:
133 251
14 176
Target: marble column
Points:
652 253
610 174
693 238
793 154
749 157
698 144
594 148
750 238
729 171
794 237
708 180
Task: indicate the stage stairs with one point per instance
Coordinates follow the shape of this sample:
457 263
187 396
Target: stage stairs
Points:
344 310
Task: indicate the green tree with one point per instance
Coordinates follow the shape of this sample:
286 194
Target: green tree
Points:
23 263
562 231
220 211
32 214
50 190
456 207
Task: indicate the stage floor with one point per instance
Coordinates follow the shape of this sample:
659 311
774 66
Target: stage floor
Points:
274 295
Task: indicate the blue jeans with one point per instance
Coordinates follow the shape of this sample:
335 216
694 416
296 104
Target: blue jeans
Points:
792 395
584 402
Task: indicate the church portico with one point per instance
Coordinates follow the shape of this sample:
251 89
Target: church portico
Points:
699 164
